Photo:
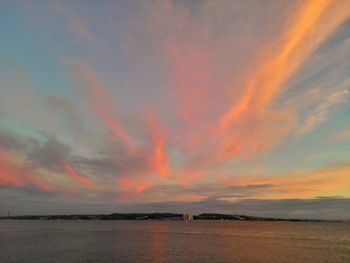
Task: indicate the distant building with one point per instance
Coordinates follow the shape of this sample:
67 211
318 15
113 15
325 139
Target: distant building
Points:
188 217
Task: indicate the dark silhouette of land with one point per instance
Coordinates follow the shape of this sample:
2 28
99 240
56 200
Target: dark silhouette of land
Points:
153 216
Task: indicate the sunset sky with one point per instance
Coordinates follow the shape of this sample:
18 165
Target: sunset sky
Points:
175 106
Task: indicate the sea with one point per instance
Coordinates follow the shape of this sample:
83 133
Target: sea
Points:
197 241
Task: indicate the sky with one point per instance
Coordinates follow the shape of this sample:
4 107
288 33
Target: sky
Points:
237 107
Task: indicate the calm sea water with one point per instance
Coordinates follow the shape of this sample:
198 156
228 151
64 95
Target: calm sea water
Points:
173 241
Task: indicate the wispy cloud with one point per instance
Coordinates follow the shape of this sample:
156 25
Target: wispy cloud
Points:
322 111
210 102
75 24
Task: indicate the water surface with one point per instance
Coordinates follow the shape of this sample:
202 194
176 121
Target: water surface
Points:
174 241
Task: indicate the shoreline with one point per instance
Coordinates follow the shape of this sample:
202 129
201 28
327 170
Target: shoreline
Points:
161 217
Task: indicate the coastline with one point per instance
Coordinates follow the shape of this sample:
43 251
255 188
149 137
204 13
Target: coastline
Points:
161 216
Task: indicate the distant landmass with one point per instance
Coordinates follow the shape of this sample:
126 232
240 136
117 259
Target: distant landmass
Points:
154 216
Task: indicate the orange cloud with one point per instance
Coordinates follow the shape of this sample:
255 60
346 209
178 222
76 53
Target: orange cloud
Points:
157 159
8 172
249 125
39 182
300 184
133 185
72 172
260 132
14 172
305 29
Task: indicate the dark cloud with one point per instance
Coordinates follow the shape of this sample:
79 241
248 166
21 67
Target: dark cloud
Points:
10 141
97 165
49 154
113 164
113 158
